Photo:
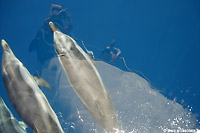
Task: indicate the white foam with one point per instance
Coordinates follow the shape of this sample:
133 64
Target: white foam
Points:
140 108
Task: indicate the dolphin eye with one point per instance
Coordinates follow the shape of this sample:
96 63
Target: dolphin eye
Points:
72 48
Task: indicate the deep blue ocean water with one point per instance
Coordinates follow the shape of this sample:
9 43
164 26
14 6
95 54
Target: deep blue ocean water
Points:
160 38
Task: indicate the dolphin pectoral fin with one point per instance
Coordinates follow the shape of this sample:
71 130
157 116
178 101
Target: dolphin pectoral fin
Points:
90 54
42 82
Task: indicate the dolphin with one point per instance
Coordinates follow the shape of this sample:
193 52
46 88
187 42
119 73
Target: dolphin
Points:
85 80
8 123
26 97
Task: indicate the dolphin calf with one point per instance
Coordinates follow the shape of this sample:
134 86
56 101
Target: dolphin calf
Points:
26 97
8 123
85 80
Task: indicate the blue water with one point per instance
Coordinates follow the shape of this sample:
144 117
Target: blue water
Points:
161 39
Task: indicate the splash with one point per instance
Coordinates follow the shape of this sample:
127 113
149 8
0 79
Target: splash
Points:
140 108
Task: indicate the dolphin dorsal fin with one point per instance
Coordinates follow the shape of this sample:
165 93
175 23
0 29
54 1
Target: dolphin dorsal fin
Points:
41 82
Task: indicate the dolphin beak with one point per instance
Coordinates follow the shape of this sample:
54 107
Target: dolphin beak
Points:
53 27
5 46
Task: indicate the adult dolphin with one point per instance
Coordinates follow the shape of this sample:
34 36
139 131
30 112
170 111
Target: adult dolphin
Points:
8 123
85 80
26 97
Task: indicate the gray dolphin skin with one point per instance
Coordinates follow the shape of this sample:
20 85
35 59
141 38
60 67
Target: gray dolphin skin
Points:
26 97
8 123
85 80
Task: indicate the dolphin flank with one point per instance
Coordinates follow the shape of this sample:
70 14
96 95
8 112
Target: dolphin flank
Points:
26 97
85 80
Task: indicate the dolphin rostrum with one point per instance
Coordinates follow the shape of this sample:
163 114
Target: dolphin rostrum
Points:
26 97
8 123
85 80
